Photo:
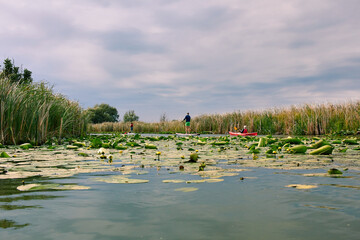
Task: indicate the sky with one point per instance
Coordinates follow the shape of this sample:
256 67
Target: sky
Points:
176 56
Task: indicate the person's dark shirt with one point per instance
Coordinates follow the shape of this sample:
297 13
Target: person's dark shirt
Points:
187 118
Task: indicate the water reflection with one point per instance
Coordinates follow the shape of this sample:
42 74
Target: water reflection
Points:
28 197
15 207
4 223
257 207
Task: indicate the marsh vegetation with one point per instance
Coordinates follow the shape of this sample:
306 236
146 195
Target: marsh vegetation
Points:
32 112
316 119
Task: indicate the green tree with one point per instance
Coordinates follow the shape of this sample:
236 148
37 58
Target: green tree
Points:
103 113
15 74
130 116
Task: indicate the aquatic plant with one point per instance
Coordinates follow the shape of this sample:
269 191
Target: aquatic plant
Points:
33 113
307 119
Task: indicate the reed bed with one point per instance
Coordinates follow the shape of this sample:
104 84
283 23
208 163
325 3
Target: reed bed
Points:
33 113
307 119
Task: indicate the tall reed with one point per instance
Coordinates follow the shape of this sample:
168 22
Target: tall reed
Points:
33 113
307 119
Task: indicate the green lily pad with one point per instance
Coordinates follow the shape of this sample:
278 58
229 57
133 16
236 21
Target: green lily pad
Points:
72 147
25 146
4 155
83 154
334 171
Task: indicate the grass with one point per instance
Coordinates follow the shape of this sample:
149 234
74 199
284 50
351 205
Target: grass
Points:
33 113
307 119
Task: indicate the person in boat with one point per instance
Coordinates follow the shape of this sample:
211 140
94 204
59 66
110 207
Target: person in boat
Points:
131 127
187 120
244 130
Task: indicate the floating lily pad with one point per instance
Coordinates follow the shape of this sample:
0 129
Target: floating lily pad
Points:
37 187
186 189
334 171
322 175
173 181
196 181
25 146
4 155
342 186
213 180
83 154
209 180
120 179
72 147
301 186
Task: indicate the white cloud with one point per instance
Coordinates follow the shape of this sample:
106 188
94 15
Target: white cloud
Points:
211 56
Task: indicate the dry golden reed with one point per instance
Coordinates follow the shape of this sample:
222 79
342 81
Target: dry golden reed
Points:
307 119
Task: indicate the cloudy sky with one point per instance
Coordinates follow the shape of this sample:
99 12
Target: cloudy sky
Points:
197 56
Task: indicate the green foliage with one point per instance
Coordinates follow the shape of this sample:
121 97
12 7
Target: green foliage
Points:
324 150
202 166
350 141
4 155
15 74
130 116
33 113
103 113
96 143
334 171
150 146
193 157
83 154
25 146
298 149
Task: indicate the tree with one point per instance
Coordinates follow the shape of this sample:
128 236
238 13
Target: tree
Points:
15 74
130 116
103 113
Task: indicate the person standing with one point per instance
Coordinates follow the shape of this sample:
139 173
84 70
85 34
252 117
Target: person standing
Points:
131 127
187 120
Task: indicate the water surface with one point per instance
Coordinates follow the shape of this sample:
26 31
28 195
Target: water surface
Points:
257 207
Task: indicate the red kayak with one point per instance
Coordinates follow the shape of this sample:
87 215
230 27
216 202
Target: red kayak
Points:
242 134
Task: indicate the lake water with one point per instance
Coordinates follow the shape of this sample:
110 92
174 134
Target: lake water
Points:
257 207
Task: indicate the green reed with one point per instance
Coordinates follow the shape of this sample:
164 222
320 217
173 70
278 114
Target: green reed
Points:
307 119
33 113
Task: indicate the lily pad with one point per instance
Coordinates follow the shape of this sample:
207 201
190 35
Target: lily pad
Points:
25 146
37 187
4 155
186 189
173 181
301 186
121 179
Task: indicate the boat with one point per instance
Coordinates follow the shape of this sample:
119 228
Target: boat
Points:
187 134
243 134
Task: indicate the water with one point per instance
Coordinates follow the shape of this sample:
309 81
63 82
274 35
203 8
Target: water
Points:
258 207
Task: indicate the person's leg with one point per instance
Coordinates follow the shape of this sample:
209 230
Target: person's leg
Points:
187 127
